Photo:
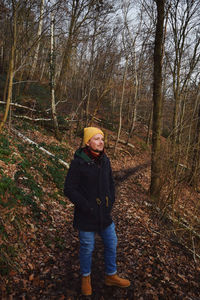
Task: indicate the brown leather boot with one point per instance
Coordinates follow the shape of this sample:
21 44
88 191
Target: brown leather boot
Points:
86 287
115 280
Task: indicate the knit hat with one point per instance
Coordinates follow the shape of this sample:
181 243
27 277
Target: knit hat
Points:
89 132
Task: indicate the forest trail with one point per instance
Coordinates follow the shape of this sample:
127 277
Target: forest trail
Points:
124 174
157 265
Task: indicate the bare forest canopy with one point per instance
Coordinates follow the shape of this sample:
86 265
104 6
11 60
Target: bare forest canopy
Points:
65 63
94 56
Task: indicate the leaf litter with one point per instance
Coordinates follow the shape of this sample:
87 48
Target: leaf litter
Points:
48 266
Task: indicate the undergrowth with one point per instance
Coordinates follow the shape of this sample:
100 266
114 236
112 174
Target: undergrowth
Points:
37 179
5 150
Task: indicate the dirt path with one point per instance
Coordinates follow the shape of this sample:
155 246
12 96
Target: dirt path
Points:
157 268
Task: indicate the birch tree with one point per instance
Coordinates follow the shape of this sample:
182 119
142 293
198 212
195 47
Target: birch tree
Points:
121 105
52 75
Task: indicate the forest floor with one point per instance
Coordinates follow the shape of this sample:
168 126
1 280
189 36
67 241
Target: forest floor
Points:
157 266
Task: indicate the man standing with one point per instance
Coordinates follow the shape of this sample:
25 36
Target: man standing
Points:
89 186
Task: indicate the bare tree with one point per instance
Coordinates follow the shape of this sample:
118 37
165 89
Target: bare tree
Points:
121 103
39 34
195 164
131 45
79 14
10 74
182 54
157 103
52 76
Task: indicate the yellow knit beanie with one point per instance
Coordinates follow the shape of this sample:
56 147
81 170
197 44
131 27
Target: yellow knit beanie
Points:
89 132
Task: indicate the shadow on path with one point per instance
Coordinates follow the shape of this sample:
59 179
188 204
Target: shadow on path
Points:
122 175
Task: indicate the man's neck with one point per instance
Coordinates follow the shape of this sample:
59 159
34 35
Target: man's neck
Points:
92 153
95 152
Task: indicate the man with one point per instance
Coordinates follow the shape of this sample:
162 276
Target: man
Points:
89 186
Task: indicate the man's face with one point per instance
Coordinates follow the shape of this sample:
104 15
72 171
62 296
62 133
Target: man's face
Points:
96 142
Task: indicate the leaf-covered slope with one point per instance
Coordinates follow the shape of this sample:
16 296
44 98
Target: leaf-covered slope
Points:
39 248
31 185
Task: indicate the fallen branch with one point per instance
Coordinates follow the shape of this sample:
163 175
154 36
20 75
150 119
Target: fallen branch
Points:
24 81
125 143
191 251
42 119
19 105
96 119
29 141
187 227
182 222
60 101
100 121
31 119
185 246
29 108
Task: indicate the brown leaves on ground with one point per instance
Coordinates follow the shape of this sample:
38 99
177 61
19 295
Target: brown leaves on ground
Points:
157 267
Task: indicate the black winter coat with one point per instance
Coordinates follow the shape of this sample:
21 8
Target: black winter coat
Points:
90 187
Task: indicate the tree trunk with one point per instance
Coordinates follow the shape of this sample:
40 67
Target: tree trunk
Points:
194 176
121 107
157 104
90 74
64 67
195 108
176 109
182 20
68 49
135 103
43 64
39 32
149 127
11 67
52 78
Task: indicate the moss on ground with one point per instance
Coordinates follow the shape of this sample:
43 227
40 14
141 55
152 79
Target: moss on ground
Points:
37 179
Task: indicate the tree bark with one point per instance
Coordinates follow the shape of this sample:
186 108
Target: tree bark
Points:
52 78
135 102
90 74
74 26
194 176
149 127
11 67
157 104
121 106
39 32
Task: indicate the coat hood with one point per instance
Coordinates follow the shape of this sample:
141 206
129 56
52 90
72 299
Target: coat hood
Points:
81 154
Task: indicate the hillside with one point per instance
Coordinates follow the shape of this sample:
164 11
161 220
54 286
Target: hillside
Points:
39 247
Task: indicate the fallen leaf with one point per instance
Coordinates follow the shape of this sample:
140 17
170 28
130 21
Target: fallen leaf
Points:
31 277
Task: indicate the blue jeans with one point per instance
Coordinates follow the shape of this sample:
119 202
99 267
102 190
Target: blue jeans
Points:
87 241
